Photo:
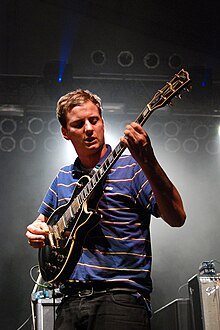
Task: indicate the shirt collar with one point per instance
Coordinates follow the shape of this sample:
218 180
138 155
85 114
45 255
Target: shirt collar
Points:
76 165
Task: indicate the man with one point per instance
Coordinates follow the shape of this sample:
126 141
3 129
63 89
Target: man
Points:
110 286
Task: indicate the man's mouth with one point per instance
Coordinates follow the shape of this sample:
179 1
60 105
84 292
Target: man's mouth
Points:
90 140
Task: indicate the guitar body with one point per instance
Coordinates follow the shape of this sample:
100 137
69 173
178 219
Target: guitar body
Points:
57 260
70 223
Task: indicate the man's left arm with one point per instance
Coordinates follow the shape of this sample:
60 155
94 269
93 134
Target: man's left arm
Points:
167 196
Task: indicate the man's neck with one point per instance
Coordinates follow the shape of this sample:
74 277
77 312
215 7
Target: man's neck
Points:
91 161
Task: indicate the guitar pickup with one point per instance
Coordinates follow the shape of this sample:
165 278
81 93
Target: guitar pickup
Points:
54 237
51 240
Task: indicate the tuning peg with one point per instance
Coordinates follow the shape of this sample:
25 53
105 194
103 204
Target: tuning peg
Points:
179 96
171 104
188 88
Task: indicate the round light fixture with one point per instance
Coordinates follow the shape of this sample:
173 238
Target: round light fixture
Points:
8 126
7 143
98 57
125 58
27 144
175 61
35 125
190 145
151 60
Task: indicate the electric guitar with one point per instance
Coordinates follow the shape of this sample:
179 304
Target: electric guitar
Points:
70 223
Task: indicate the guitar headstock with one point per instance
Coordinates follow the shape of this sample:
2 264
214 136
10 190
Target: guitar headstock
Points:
163 96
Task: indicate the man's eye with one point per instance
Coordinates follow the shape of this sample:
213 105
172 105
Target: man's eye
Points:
79 124
93 121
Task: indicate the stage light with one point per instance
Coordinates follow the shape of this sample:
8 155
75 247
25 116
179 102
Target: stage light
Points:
172 145
151 60
201 131
213 147
35 125
8 126
175 61
171 129
54 126
98 57
27 144
51 144
190 145
7 143
125 58
57 71
156 129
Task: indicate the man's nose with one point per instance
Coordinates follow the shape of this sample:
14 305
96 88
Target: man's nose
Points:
88 126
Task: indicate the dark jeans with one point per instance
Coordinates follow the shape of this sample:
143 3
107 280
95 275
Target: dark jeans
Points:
108 311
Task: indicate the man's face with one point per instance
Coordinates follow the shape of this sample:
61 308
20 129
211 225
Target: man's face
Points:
85 129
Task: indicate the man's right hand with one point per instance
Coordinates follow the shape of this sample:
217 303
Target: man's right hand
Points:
37 232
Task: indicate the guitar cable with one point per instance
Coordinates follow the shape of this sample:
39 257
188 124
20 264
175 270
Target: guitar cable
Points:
35 294
39 279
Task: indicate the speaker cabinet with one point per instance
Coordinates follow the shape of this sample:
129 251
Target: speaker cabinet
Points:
174 316
205 302
45 311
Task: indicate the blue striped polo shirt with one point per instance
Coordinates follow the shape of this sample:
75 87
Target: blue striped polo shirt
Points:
118 249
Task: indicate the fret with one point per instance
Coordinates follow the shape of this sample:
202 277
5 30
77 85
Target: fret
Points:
107 163
61 225
67 215
114 153
71 211
145 112
65 218
110 157
104 166
89 185
81 197
93 180
98 176
86 191
118 148
143 116
76 205
139 119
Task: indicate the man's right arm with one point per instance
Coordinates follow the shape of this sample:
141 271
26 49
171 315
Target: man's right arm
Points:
37 232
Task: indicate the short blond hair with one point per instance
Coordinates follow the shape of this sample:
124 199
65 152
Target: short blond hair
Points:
72 99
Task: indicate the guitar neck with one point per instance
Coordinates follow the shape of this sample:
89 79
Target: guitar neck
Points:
120 148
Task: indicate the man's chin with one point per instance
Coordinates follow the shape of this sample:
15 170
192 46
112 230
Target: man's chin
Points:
93 147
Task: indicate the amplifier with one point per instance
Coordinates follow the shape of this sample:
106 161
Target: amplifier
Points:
45 312
205 302
174 316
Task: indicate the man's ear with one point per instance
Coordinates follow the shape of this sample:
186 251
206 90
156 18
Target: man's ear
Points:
65 133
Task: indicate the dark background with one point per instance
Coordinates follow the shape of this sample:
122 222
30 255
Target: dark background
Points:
37 38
